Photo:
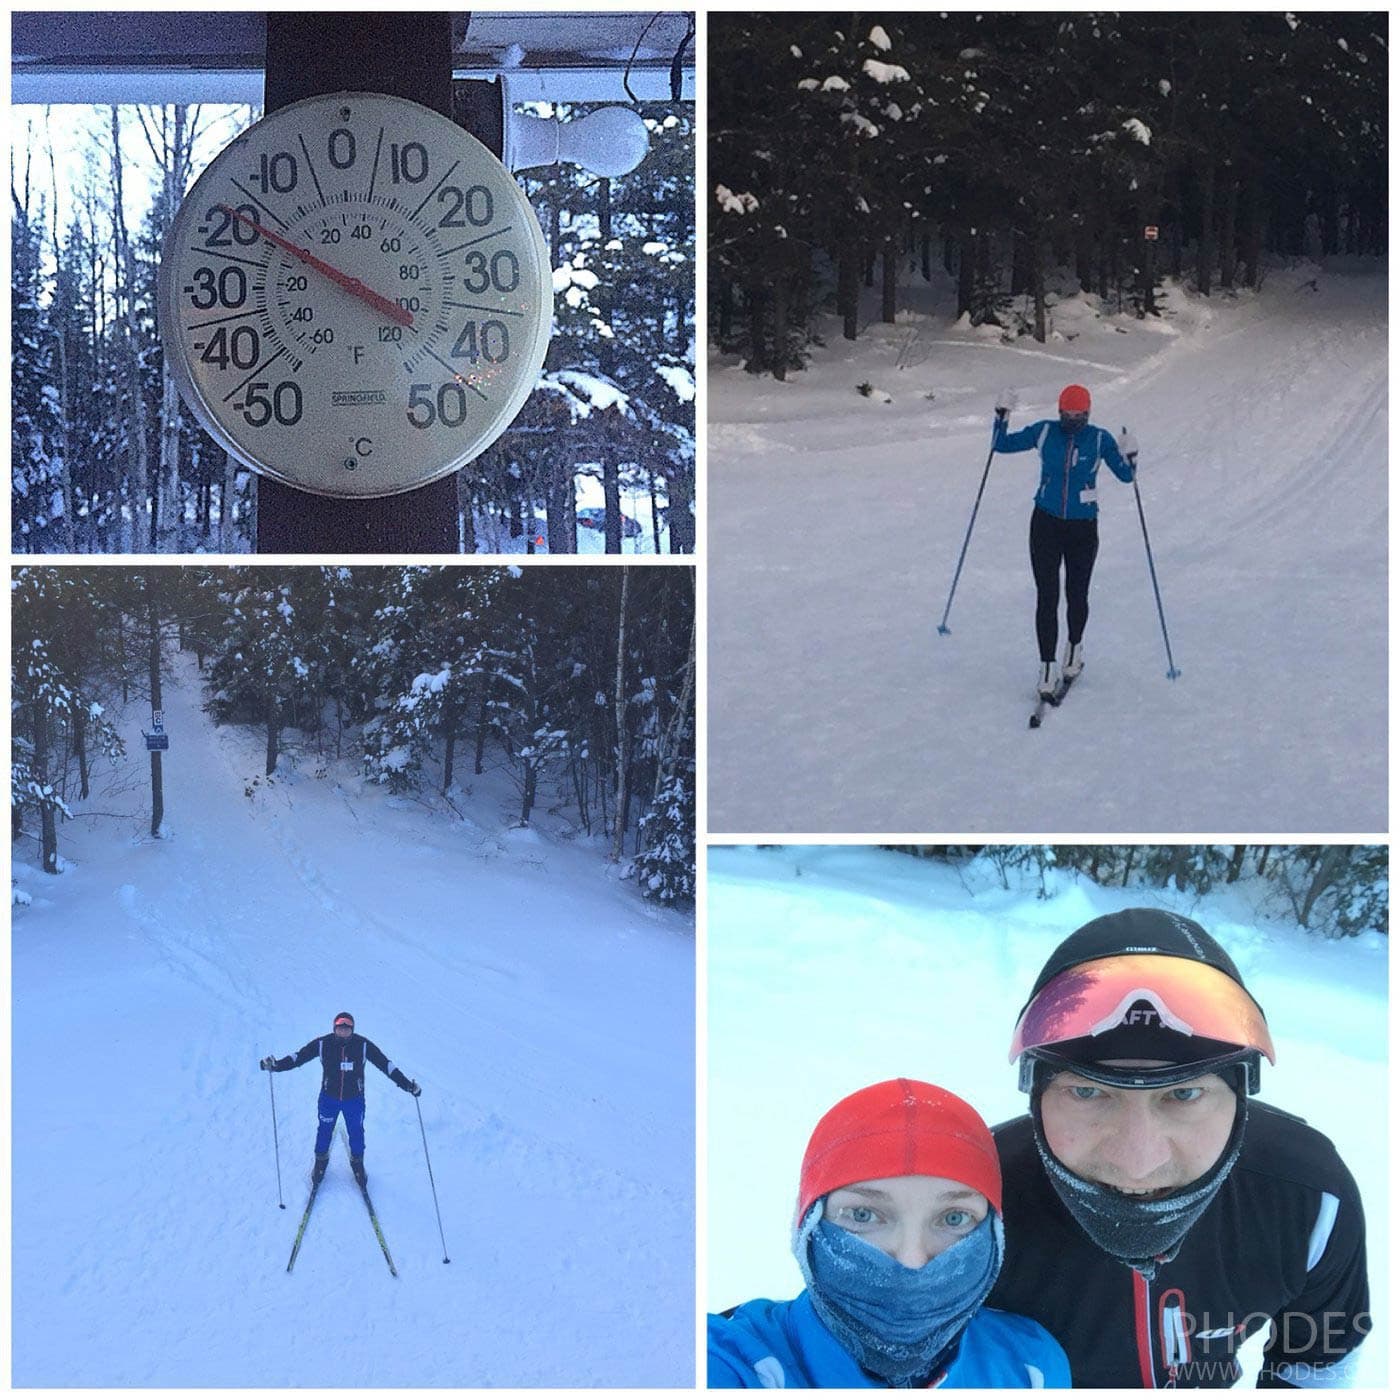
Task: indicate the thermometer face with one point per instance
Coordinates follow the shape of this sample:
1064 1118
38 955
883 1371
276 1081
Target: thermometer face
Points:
355 296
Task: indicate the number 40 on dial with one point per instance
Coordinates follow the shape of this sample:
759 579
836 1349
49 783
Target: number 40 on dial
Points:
355 296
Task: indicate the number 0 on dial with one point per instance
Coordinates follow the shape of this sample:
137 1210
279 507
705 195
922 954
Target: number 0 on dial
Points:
355 296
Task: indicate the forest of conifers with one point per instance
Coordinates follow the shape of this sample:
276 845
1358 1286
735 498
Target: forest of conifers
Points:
1333 891
1022 152
582 678
107 460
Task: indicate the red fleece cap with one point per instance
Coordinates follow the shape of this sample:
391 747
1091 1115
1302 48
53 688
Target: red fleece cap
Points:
1074 398
901 1127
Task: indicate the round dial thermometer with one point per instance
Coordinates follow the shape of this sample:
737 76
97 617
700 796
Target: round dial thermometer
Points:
355 297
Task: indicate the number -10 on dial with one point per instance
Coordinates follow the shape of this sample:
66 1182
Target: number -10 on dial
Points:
355 296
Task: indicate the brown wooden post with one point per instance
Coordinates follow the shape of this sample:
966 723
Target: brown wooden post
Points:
405 55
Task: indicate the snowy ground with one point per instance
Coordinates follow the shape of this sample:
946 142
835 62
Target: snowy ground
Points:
831 968
546 1010
835 523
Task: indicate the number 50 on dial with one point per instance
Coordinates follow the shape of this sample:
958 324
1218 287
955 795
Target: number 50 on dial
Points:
355 296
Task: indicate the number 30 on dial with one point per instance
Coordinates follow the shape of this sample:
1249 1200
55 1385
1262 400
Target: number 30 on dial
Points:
355 296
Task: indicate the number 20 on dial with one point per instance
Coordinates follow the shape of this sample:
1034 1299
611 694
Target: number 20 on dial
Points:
355 296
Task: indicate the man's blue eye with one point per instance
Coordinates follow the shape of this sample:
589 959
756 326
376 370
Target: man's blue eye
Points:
1083 1092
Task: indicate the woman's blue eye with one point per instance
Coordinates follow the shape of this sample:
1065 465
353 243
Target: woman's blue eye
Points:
956 1219
861 1215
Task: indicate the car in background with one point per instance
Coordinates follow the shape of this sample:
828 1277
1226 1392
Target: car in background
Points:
593 520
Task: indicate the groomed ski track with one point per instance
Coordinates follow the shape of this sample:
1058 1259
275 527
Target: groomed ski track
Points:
835 524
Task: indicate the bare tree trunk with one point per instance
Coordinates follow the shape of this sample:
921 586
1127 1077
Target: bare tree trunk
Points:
138 454
1227 231
449 754
848 287
48 823
274 725
173 157
1205 250
480 736
153 654
620 720
65 476
780 327
1334 861
1037 271
669 749
228 496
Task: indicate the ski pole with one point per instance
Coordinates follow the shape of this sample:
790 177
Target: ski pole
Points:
943 626
1172 672
431 1182
275 1148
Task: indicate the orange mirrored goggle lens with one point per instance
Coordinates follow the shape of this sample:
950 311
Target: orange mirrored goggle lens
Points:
1097 997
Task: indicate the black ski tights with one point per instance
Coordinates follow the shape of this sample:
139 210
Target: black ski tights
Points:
1075 544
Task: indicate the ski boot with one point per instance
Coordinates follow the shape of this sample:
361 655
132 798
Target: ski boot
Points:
1046 680
318 1169
357 1165
1074 660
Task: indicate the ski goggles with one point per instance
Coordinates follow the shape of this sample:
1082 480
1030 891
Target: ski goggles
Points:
1149 993
344 1021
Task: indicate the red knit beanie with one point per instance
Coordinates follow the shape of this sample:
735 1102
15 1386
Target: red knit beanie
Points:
899 1128
1074 398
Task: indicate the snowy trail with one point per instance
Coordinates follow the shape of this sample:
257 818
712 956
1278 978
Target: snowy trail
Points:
546 1011
836 706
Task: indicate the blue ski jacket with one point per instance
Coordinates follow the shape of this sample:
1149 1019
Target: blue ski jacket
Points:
1069 464
786 1345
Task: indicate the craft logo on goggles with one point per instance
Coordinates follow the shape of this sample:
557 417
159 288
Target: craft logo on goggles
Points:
1131 1012
1099 996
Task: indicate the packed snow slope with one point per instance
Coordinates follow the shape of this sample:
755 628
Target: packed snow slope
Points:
546 1010
836 520
834 967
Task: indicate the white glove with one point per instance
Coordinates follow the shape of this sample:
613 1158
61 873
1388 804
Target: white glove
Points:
1128 446
1006 401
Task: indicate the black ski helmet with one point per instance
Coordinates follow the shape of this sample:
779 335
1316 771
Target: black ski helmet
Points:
1141 984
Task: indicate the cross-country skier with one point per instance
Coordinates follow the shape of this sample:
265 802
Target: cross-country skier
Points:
898 1236
1157 1214
342 1055
1064 523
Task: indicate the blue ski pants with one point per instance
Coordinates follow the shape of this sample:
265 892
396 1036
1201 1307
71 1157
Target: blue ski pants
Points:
328 1110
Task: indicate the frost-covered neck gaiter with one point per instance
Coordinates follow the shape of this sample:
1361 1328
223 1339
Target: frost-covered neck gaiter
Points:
897 1322
1141 1233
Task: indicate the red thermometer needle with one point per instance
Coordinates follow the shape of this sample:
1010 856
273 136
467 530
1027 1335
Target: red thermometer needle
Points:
353 285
